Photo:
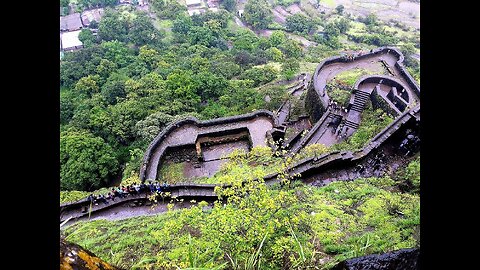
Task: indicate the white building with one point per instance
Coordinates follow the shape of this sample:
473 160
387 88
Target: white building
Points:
193 3
70 41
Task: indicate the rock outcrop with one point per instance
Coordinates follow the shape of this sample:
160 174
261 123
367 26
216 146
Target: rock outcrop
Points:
403 259
74 257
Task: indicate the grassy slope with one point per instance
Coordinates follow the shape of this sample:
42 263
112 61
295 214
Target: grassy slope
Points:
341 220
373 121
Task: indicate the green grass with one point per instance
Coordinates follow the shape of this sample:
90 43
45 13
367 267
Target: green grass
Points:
356 28
328 3
308 67
259 161
276 65
373 121
172 173
349 77
342 220
232 26
75 195
339 95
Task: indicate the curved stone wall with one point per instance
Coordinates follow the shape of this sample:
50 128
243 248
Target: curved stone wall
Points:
336 161
350 158
185 132
319 82
398 98
81 208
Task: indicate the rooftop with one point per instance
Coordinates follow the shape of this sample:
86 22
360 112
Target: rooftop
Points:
70 39
70 22
193 2
92 15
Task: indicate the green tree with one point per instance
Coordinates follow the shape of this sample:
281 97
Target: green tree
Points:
275 54
343 25
201 36
167 9
221 16
340 9
214 110
78 64
93 25
257 13
109 3
245 40
412 174
64 3
114 88
87 86
86 37
86 162
260 75
228 5
408 51
105 68
300 23
91 114
123 117
181 26
371 19
277 38
209 86
273 96
153 124
224 66
149 56
290 67
181 88
142 31
117 52
241 97
67 106
112 27
331 30
291 48
148 84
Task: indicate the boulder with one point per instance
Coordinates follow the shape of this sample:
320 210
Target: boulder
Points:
403 259
74 257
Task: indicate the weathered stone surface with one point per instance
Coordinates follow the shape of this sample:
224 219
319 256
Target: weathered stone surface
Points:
403 259
74 257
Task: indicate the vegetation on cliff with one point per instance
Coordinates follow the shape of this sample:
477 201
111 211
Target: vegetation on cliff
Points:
290 225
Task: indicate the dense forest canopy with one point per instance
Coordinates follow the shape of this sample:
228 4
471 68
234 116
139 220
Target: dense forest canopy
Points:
136 74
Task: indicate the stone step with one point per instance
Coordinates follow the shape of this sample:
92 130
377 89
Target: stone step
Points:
361 99
351 124
362 93
358 108
361 96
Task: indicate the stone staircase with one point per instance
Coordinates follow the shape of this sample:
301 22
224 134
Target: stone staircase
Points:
360 99
350 124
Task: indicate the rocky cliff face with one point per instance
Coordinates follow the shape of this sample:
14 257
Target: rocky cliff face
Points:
403 259
74 257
